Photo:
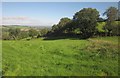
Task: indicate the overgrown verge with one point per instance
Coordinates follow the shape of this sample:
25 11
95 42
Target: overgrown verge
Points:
103 48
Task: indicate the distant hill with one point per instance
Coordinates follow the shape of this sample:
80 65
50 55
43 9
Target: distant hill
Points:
21 26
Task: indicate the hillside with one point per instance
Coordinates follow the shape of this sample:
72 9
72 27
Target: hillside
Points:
64 57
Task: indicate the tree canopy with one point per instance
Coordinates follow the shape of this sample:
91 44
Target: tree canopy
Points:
112 16
86 20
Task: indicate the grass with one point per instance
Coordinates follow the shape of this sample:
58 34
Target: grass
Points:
64 57
100 26
0 58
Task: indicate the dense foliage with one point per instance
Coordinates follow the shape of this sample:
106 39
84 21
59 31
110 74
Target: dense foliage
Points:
87 21
85 24
112 15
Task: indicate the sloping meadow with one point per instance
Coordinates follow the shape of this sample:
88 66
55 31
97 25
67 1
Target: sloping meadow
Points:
64 57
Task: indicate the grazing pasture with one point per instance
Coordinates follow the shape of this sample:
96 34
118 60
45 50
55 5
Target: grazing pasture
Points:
62 57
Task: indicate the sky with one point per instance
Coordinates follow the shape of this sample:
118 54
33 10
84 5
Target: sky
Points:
45 13
60 0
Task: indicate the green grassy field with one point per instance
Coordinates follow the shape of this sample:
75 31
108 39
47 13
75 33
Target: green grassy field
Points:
0 58
64 57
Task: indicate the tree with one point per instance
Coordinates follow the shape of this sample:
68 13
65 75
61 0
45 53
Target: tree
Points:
23 34
14 32
112 15
63 22
54 27
33 32
115 28
5 36
86 20
101 19
44 31
60 28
